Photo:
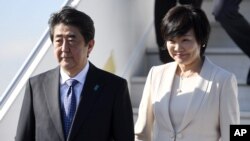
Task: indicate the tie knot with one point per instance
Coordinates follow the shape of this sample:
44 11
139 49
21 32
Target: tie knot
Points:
71 82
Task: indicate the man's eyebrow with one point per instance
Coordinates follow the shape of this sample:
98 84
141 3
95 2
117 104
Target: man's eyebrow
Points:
68 36
58 35
71 35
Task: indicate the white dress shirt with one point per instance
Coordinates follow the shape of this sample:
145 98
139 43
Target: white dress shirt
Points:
80 77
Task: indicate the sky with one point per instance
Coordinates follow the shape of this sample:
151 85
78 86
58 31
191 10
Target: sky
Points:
22 24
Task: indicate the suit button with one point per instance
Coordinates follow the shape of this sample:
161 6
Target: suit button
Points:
172 135
179 135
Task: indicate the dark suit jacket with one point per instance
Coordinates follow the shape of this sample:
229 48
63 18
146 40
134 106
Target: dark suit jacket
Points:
104 112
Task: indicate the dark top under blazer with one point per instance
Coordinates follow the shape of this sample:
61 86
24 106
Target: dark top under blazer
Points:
104 112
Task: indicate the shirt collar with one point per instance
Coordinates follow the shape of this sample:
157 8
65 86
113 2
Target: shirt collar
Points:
80 77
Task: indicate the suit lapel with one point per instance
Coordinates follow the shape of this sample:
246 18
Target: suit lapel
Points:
200 93
51 90
164 91
89 95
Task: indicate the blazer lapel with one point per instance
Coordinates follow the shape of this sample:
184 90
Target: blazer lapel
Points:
200 93
164 91
51 90
89 95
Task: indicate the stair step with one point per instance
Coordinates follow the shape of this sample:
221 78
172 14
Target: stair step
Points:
137 85
244 117
217 32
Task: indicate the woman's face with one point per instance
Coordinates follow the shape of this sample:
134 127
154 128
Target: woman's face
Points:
184 49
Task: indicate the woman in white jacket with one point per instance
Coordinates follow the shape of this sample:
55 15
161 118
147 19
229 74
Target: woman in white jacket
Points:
190 99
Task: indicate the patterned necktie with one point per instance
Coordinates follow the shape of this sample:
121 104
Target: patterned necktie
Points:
69 105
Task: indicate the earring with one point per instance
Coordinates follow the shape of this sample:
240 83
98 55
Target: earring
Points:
204 45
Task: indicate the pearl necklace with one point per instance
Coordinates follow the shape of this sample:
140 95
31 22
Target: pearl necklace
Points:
179 90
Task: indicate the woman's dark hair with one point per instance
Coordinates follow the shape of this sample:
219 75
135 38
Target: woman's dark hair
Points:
180 19
73 17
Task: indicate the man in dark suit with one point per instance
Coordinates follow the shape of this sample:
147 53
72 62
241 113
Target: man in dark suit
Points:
100 100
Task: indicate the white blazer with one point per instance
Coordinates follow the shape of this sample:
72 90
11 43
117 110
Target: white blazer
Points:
214 106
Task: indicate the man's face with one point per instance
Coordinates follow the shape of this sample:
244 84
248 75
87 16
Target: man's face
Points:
70 48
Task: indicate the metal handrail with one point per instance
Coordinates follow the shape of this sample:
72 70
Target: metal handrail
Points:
22 69
138 49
